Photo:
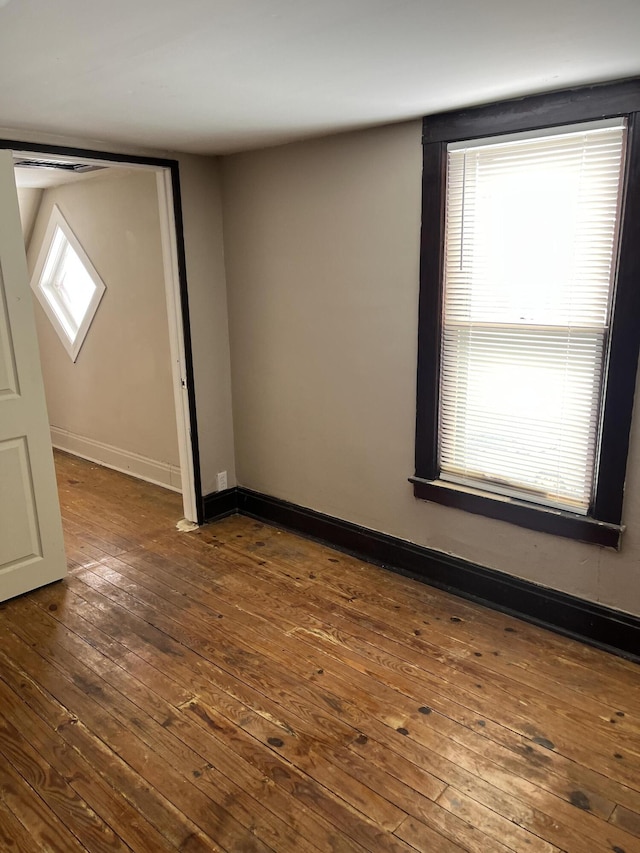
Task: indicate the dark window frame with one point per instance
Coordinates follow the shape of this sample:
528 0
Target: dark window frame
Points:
603 523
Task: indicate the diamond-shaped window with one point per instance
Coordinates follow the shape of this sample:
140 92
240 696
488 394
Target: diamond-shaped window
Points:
66 284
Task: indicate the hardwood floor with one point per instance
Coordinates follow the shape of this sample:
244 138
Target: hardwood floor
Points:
238 688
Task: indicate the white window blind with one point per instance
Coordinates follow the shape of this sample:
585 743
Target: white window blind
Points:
531 240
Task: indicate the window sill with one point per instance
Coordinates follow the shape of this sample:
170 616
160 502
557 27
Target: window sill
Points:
543 519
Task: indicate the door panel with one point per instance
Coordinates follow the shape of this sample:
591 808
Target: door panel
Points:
31 545
16 495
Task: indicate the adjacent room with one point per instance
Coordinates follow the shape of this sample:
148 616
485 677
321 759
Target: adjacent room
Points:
109 398
319 465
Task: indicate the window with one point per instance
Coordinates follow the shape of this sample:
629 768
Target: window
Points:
527 351
66 284
530 235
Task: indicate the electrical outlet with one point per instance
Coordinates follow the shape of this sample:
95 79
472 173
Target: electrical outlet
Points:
222 481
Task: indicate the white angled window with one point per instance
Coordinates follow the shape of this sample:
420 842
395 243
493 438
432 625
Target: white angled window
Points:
531 234
66 284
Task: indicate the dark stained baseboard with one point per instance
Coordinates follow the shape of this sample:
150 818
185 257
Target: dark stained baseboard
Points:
219 505
573 617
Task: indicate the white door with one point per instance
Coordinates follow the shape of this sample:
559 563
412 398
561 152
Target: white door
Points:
31 544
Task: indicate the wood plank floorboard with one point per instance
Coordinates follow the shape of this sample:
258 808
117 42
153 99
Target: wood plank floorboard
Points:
239 688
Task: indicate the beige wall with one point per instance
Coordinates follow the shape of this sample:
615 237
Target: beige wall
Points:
202 213
321 242
29 200
120 390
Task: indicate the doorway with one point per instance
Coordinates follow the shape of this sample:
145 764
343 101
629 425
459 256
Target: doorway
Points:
42 170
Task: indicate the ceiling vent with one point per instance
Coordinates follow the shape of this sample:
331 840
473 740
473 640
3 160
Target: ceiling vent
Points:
61 165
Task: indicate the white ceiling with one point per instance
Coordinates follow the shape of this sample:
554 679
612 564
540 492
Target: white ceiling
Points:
214 76
33 178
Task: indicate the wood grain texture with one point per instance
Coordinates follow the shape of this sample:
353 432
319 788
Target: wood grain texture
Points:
239 688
